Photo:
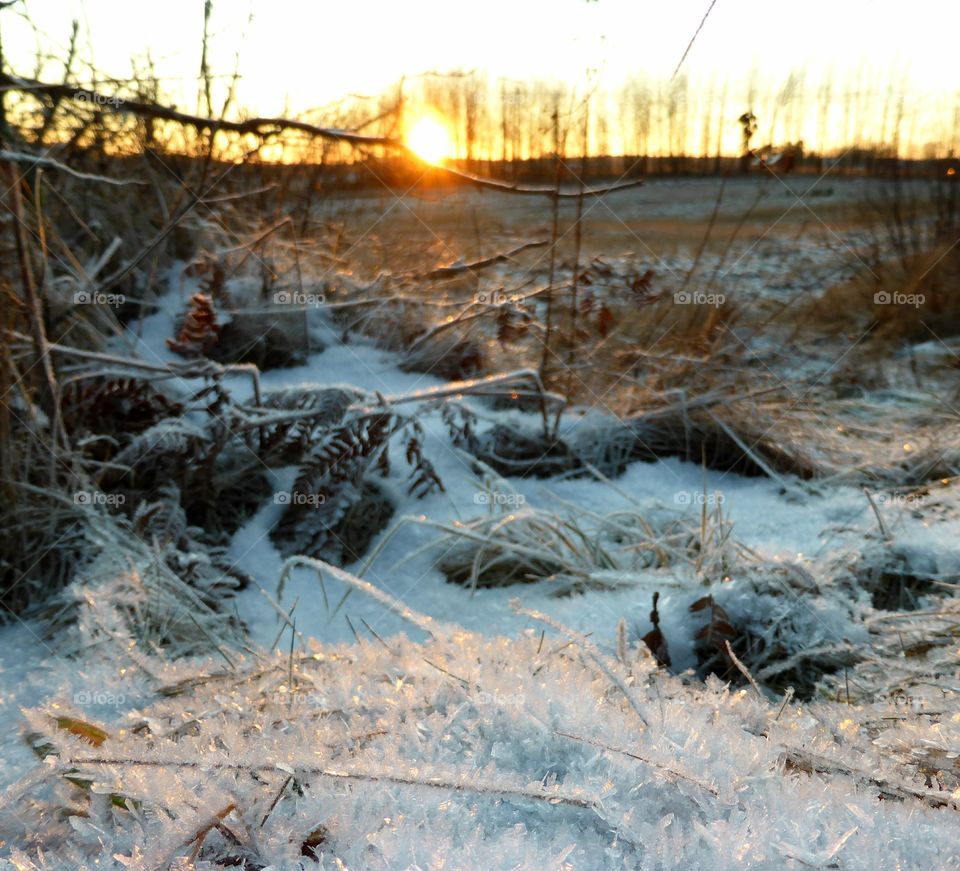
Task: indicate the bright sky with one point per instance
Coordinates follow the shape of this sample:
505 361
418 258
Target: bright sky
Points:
312 52
298 55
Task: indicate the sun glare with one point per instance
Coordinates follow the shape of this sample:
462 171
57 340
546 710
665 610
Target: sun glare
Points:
430 140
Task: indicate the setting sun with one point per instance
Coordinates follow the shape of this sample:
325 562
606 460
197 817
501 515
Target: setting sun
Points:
430 140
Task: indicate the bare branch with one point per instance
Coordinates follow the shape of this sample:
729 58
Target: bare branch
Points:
33 160
263 127
121 106
457 268
552 193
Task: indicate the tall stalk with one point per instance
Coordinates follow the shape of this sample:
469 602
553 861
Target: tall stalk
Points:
554 234
575 282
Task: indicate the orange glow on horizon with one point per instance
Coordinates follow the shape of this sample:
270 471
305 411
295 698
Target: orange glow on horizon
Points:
430 139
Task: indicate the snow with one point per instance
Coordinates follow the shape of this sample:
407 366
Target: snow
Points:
431 726
491 752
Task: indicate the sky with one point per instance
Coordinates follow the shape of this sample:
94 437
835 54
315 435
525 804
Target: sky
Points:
298 55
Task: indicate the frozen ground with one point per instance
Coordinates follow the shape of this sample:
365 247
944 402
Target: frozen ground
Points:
439 727
793 233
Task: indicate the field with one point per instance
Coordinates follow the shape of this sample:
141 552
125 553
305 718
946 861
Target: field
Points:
659 223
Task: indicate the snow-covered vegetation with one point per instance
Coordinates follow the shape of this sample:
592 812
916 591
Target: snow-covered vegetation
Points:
501 689
470 523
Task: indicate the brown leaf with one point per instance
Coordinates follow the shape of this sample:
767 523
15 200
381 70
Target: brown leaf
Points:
605 320
654 638
93 734
315 839
657 645
700 604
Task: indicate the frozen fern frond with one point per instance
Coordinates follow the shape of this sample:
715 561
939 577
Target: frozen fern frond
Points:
336 506
332 482
113 406
291 436
164 520
173 437
423 476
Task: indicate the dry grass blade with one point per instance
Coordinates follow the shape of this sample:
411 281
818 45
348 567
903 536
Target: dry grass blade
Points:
421 621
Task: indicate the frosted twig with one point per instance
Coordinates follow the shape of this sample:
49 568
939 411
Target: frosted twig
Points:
123 106
422 621
554 193
474 787
659 766
457 268
476 386
455 388
32 160
744 671
876 512
187 369
811 763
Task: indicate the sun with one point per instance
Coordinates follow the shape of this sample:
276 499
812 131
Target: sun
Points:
430 140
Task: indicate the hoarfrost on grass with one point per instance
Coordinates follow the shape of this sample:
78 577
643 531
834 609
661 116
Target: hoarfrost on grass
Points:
471 751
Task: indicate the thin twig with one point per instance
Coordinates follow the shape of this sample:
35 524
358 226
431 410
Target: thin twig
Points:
876 512
473 787
421 621
744 671
693 38
457 268
35 160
